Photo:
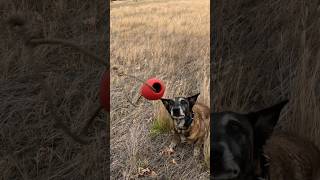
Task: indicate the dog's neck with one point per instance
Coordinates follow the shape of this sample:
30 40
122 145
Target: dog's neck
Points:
257 168
188 119
260 168
264 167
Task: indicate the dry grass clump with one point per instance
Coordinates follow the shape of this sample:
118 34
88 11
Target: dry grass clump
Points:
270 51
164 39
31 147
162 123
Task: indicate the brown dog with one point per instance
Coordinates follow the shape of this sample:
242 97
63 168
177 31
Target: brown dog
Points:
191 121
292 157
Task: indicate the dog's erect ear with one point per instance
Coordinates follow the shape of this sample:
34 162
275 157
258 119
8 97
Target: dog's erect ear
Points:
167 103
264 122
192 99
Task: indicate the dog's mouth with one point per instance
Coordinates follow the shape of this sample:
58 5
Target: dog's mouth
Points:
226 176
225 168
181 128
230 173
180 117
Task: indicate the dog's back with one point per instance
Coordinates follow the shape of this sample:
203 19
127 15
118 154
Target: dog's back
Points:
292 158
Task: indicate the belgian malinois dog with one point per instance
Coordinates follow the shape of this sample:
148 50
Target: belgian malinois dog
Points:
191 121
244 147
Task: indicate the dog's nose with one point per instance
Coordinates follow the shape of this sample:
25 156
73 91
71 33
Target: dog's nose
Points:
234 172
176 111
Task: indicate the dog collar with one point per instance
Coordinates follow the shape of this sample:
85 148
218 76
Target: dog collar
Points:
188 120
264 167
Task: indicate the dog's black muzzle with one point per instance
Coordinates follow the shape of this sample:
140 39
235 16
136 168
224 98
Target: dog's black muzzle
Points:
176 112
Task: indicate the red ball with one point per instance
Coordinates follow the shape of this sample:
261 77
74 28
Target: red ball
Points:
105 91
149 93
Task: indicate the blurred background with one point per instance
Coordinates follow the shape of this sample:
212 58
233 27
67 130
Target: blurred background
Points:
269 51
31 147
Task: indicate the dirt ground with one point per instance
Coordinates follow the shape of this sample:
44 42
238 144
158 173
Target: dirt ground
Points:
31 147
164 39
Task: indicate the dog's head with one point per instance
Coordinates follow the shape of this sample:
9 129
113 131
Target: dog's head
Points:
180 110
238 139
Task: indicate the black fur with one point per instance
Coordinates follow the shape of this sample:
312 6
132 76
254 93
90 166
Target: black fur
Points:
243 136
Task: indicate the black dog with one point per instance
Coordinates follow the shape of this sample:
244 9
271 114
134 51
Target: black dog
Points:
237 141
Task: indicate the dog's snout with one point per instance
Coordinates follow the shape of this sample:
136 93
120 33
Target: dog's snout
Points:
217 156
176 111
229 174
234 172
224 165
217 151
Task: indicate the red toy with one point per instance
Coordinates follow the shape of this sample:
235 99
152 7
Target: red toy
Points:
105 91
155 93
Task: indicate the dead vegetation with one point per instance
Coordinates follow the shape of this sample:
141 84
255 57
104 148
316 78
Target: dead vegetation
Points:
31 145
269 51
168 40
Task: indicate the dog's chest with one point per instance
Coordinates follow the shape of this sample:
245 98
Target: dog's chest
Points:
184 135
183 138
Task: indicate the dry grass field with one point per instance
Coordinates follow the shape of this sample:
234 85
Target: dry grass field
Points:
269 51
169 40
30 146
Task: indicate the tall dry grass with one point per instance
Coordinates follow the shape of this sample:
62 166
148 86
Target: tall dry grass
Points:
31 148
164 39
269 51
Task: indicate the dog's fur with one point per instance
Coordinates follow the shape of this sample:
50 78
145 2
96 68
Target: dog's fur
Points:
292 157
238 145
181 110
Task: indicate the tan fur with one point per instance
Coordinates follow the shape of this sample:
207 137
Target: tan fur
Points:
198 130
292 158
200 125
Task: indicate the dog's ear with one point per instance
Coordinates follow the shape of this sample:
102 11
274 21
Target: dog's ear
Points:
193 99
167 103
264 121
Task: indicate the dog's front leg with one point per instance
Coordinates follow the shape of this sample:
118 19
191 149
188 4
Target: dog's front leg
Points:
197 149
175 141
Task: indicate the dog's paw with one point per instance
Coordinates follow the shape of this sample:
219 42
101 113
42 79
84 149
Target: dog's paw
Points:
183 139
172 145
196 153
173 161
167 151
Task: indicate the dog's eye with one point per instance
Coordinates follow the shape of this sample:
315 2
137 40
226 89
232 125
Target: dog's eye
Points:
184 102
234 126
170 102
